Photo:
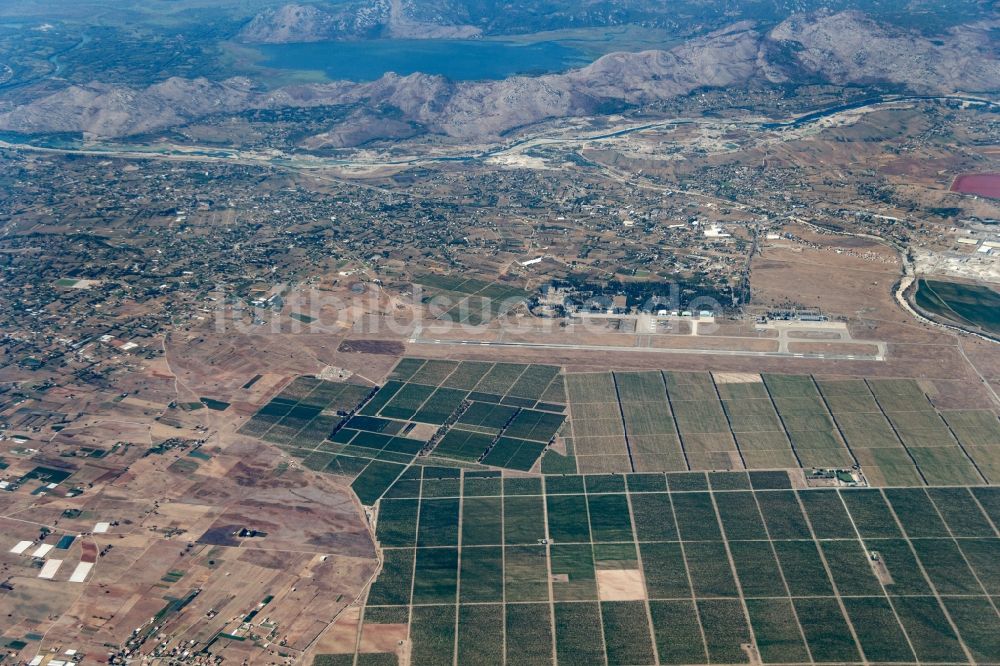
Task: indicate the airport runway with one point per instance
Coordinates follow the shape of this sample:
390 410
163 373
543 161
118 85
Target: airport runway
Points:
700 352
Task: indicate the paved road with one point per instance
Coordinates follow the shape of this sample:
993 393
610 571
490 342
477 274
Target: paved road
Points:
700 352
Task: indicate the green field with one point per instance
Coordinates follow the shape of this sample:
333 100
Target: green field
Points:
304 413
469 300
519 569
673 421
648 559
970 305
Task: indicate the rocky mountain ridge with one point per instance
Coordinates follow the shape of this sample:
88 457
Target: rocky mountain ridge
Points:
376 18
842 48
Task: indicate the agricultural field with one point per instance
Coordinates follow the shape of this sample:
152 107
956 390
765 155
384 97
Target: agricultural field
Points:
524 514
468 300
487 567
534 417
495 414
677 421
972 305
500 415
305 412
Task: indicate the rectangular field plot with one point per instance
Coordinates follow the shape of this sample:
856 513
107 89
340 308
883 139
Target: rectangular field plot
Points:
534 426
978 626
534 381
653 517
898 395
699 416
867 430
526 575
482 520
488 416
463 445
826 631
609 518
879 632
851 568
573 574
439 406
500 378
523 519
626 632
779 639
397 522
514 454
757 569
407 400
392 587
433 372
803 568
648 418
726 630
599 464
678 632
376 478
945 466
482 574
666 572
752 416
740 516
641 387
871 514
432 630
466 375
529 634
684 568
683 386
578 633
827 514
306 412
708 564
568 518
740 386
782 515
590 387
978 431
695 516
932 636
435 576
889 467
479 627
766 450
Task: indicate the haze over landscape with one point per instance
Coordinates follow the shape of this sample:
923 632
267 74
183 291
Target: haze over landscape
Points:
419 332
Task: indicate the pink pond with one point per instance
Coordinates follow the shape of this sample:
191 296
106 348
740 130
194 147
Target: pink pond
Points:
983 184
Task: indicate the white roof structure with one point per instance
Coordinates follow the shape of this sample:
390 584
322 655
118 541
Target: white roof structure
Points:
101 528
49 570
80 573
42 550
21 547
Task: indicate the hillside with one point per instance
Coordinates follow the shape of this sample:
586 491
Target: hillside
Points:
844 48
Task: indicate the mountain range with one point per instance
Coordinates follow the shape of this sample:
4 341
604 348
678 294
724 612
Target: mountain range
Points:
840 48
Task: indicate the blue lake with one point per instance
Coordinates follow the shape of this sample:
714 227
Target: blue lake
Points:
459 60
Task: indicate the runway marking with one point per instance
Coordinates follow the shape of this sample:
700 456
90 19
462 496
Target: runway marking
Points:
655 350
